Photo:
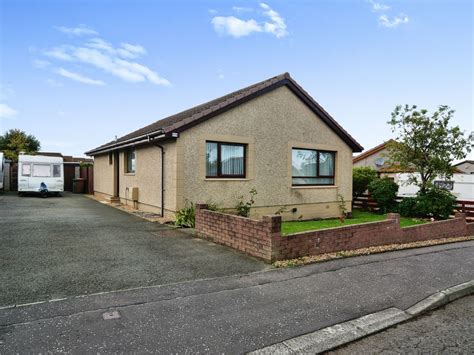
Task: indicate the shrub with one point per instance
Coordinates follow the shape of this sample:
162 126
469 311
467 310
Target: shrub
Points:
243 208
361 178
435 202
185 217
384 192
408 207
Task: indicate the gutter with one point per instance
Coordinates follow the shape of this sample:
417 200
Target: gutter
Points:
122 144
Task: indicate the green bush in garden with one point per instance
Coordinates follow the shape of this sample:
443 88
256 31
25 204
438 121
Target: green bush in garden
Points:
361 178
433 203
185 217
384 192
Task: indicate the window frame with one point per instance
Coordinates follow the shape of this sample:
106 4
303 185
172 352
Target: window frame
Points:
318 175
219 161
127 152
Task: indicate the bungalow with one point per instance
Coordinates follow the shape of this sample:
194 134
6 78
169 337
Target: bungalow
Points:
272 136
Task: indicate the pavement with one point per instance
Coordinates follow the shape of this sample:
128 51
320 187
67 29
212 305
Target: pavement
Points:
236 314
448 330
72 245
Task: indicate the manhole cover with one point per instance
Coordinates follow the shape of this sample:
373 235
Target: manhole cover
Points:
111 315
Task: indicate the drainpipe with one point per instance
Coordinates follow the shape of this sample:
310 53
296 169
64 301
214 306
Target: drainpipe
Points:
162 175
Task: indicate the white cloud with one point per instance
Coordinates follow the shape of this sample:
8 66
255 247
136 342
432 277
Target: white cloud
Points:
378 7
278 25
396 21
78 77
59 53
7 112
113 60
40 64
212 11
241 9
237 27
234 26
81 30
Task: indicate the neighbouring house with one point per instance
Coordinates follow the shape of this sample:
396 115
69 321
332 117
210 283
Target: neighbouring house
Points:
272 136
466 166
375 158
460 184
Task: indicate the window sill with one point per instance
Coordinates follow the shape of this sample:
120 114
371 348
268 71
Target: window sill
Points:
315 187
226 179
129 174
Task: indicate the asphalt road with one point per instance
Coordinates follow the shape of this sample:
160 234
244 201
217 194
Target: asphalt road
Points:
72 245
448 330
240 313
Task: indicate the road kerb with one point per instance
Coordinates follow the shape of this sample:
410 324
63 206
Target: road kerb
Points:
344 333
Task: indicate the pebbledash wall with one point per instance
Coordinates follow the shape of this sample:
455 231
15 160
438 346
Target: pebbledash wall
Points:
263 239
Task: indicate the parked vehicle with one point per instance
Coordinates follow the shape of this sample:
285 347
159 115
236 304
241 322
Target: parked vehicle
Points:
2 161
41 174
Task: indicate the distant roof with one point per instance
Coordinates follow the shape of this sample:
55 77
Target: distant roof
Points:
188 118
67 158
372 151
465 161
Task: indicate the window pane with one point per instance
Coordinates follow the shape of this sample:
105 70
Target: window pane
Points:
232 160
303 162
326 164
41 170
211 159
131 161
313 181
56 170
26 169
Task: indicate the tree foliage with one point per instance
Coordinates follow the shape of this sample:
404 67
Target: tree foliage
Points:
426 144
361 178
15 141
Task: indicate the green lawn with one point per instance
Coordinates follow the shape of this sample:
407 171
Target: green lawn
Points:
357 218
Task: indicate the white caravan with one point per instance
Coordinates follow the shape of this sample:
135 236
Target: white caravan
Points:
39 173
2 166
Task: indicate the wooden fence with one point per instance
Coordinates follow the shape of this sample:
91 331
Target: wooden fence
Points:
366 202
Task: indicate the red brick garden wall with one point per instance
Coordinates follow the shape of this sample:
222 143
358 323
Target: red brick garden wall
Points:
248 235
263 238
367 235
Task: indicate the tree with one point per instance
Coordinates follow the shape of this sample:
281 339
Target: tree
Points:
426 145
15 141
361 178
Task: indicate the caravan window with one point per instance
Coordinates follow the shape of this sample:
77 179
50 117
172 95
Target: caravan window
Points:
56 170
26 169
41 170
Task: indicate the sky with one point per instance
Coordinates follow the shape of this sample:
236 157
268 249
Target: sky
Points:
78 73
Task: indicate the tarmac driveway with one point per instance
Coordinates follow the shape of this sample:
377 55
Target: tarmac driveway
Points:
72 245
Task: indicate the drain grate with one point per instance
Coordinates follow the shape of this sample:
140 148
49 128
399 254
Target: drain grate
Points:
111 315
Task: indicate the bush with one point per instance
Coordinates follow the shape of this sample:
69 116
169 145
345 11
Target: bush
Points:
361 178
408 207
435 202
186 216
384 192
243 208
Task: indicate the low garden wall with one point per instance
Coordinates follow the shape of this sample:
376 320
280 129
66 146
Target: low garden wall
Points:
263 239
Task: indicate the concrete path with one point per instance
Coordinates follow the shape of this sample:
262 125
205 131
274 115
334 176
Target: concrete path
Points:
236 314
72 245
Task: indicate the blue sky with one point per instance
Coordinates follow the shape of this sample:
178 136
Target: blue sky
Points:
77 73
